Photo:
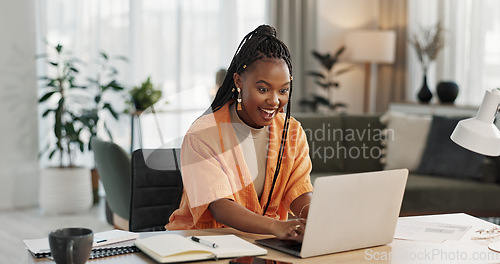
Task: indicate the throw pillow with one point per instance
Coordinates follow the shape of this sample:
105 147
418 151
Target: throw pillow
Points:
442 157
406 137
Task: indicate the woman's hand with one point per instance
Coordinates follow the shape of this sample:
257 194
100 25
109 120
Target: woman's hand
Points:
290 230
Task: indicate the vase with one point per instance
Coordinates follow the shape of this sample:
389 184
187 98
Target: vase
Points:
447 92
424 95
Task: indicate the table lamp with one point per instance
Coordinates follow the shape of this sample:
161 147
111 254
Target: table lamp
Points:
479 134
371 46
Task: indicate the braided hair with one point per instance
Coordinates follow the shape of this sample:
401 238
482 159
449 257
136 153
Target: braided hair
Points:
259 44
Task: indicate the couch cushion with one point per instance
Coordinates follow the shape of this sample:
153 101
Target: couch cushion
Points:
322 133
444 158
362 137
406 134
430 194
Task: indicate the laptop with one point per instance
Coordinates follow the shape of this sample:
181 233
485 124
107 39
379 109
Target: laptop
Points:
349 212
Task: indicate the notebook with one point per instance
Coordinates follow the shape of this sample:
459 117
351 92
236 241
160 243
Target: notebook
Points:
107 243
168 248
349 212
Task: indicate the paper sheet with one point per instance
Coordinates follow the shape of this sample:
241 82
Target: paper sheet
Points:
429 231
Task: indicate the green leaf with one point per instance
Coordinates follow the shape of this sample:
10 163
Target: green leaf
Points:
46 96
339 52
113 71
82 145
108 106
74 69
59 48
316 74
122 58
53 63
94 81
47 112
322 84
342 71
321 100
108 131
51 83
52 153
104 55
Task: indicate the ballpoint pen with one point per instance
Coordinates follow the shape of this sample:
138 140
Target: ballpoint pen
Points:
204 242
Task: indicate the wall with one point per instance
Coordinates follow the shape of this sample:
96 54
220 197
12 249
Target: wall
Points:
18 105
335 19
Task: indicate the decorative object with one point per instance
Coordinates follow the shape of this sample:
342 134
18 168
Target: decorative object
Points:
447 92
326 79
370 47
144 96
427 45
424 94
64 188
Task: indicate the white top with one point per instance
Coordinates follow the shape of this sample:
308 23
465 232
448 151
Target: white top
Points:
254 144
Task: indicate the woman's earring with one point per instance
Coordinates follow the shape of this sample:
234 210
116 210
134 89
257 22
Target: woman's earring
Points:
238 106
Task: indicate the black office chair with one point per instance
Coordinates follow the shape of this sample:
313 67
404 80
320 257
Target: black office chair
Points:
113 165
156 188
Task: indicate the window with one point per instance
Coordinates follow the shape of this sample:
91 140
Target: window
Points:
470 57
181 44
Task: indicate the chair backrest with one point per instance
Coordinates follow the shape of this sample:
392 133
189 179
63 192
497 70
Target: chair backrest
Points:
156 188
113 165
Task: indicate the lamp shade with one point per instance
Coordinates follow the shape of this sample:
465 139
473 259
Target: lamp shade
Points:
377 46
479 134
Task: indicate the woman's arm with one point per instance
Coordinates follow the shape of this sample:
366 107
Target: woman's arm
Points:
300 206
234 215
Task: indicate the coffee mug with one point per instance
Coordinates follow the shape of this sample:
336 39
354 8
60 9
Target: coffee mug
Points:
71 245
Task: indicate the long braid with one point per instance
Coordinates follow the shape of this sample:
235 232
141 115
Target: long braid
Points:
258 44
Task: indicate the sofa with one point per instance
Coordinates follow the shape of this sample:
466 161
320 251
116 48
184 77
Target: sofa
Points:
444 178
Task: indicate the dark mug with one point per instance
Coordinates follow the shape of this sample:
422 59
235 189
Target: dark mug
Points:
71 245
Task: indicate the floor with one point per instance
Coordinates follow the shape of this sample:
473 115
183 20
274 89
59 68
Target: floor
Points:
16 225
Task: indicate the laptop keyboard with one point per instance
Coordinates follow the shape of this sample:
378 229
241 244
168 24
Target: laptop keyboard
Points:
293 245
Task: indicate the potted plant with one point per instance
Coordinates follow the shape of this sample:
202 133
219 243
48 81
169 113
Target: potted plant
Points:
65 188
144 96
326 79
99 85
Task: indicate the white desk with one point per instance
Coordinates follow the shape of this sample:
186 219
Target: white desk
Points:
399 251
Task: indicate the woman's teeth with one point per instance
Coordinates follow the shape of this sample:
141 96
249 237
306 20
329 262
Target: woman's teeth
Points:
268 111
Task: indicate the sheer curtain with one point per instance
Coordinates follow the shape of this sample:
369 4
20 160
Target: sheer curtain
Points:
471 56
181 44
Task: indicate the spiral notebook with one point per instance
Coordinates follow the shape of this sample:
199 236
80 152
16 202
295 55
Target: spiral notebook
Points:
108 243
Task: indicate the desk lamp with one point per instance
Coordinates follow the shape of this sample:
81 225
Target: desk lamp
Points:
479 134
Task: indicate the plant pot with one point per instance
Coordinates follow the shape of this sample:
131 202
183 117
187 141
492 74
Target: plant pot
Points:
65 190
447 92
424 95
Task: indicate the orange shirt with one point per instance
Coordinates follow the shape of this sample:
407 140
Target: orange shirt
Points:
213 167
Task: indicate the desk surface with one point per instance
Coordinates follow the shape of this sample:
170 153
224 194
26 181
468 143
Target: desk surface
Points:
399 251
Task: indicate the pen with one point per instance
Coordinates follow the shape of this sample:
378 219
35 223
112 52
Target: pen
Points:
204 242
100 240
